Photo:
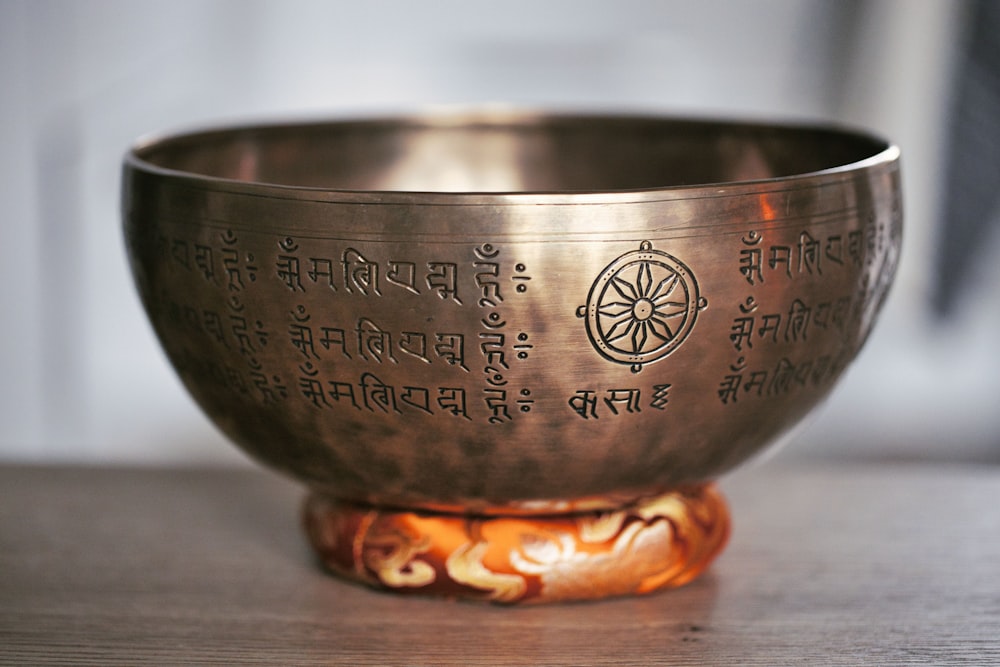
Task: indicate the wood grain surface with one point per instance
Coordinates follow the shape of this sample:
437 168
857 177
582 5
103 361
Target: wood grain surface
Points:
837 565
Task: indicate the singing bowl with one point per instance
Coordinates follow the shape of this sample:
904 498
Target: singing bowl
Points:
507 353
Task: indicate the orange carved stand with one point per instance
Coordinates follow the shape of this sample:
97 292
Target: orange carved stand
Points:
658 543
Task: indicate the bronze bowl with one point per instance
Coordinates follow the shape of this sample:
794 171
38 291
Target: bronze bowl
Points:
508 353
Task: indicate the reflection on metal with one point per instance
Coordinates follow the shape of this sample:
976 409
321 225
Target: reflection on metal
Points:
510 314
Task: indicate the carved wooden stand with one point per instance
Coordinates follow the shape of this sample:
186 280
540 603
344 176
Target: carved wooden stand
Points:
662 542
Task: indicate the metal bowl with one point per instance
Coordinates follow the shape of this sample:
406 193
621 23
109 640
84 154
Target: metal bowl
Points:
502 312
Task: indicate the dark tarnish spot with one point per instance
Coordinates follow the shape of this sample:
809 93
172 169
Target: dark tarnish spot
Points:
386 469
525 481
472 447
352 429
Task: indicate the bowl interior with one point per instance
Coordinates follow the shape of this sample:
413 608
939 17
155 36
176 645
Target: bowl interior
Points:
522 154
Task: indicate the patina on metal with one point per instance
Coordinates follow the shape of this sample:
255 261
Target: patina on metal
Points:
510 313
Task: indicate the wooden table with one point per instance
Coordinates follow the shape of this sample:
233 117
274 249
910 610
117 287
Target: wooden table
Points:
829 564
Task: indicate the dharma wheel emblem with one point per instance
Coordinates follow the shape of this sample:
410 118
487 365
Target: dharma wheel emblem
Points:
642 307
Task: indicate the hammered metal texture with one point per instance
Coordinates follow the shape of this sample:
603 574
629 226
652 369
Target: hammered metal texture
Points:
511 313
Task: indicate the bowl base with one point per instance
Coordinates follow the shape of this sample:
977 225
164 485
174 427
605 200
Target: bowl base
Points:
661 542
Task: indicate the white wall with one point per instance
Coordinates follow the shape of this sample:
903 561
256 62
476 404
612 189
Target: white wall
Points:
81 377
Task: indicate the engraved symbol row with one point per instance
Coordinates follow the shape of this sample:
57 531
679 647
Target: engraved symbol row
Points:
808 254
232 266
793 325
372 394
787 377
365 341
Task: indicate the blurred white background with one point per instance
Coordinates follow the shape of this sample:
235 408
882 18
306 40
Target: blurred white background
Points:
81 377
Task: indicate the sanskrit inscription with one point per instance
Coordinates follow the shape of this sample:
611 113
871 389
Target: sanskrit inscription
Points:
806 256
790 325
370 394
829 287
784 377
499 347
338 342
618 401
367 341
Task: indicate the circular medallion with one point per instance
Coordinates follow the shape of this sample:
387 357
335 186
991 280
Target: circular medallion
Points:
641 307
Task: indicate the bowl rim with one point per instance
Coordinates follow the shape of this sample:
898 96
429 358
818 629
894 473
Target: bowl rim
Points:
133 160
